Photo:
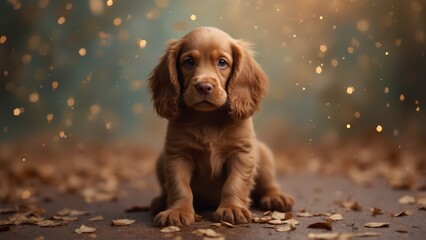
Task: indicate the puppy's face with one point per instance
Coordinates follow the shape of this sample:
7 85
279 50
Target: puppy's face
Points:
205 65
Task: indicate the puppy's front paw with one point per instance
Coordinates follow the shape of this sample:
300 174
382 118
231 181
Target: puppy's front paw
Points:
234 215
174 217
277 201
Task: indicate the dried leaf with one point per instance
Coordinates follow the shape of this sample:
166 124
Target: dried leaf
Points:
227 224
85 229
170 229
65 218
207 233
335 217
122 222
95 219
304 214
323 236
48 223
402 213
376 211
63 212
198 218
367 234
291 222
39 238
421 202
407 199
321 225
18 218
351 205
377 224
276 222
286 228
75 213
401 230
263 219
278 215
321 214
137 208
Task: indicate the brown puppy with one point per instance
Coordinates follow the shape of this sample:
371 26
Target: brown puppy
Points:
208 85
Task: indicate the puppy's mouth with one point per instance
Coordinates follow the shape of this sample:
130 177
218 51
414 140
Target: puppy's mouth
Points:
204 106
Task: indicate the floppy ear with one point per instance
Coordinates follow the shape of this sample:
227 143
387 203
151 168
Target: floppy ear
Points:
164 84
248 84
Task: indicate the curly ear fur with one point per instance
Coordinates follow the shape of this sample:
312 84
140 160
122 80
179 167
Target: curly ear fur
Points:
164 84
248 84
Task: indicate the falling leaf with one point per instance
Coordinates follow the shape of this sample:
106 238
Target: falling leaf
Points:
95 219
207 233
407 199
376 211
377 224
321 225
85 229
402 213
335 217
170 229
137 208
122 222
286 228
323 236
48 223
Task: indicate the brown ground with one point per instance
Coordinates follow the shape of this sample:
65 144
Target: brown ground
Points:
108 180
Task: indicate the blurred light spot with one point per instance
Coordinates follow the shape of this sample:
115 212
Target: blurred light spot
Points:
357 114
16 112
43 3
95 109
96 6
417 109
398 42
109 3
3 39
162 3
378 44
26 194
137 108
68 122
26 59
15 4
416 102
362 25
49 117
350 90
318 69
348 126
386 90
193 17
387 105
70 102
152 14
117 21
350 50
416 7
334 62
123 35
108 125
61 20
68 6
321 17
379 128
55 85
402 97
323 48
386 53
395 132
34 42
62 134
82 51
142 43
33 97
5 73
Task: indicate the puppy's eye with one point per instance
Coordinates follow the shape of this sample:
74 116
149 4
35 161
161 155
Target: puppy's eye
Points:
222 63
189 62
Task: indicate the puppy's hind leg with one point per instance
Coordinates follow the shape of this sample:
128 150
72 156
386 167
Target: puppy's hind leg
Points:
267 191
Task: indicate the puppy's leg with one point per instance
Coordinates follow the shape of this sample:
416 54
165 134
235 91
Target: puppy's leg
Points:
235 201
160 203
180 212
267 189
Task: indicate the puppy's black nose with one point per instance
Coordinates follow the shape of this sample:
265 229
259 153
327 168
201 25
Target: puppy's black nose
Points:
204 88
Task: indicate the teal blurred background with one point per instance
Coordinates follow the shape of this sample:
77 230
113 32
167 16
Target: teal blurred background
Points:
76 70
